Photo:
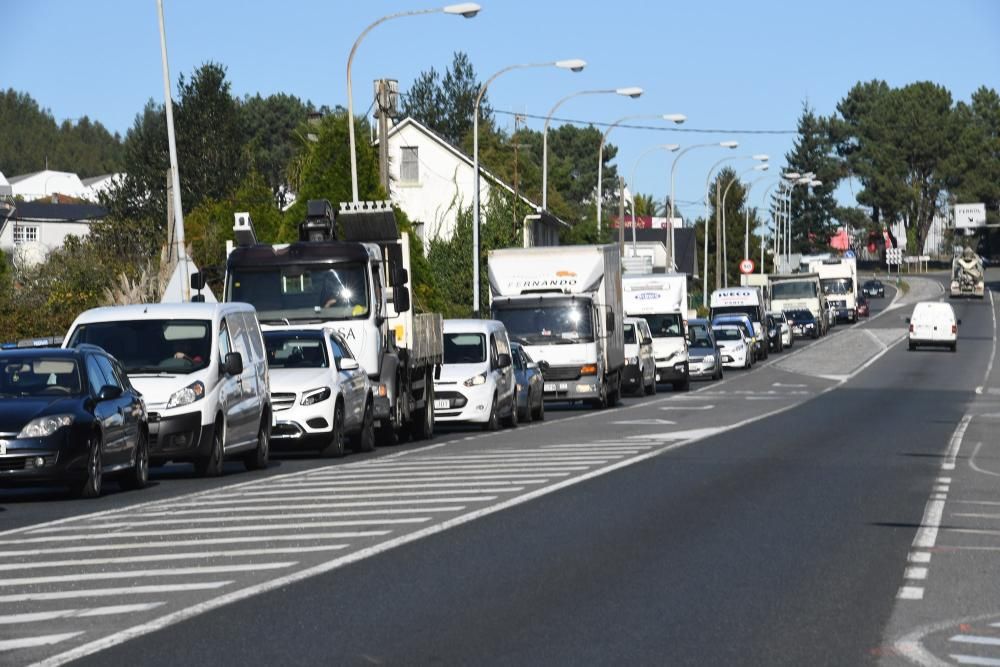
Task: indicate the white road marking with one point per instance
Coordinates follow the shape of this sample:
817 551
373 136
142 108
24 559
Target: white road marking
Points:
944 480
976 639
915 573
30 642
457 470
383 484
91 548
973 515
955 443
975 466
35 617
113 592
222 505
645 422
941 488
155 558
927 534
792 385
316 506
128 574
919 557
910 593
687 407
974 660
696 433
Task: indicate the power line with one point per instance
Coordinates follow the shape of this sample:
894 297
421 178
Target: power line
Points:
646 127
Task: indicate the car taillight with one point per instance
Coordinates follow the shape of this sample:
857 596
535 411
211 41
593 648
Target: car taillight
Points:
954 328
911 328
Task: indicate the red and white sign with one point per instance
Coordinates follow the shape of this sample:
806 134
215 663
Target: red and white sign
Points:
747 266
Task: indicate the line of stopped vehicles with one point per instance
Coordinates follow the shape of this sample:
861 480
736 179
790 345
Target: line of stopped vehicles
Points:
315 347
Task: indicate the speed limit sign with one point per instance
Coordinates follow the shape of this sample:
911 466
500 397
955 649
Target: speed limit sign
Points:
746 266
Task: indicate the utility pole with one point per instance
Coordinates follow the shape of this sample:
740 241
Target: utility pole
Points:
171 251
718 236
517 126
621 215
386 97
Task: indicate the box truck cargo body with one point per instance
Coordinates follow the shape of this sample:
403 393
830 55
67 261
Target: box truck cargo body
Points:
661 299
564 305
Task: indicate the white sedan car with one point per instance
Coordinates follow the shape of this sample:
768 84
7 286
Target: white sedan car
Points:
733 346
319 393
786 330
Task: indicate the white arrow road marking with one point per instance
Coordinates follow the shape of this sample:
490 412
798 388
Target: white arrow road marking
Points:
28 642
682 435
687 407
646 422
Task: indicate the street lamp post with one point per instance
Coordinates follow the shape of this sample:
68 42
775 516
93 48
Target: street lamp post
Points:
803 179
725 193
666 147
573 65
676 118
464 9
673 168
746 230
708 182
633 92
774 221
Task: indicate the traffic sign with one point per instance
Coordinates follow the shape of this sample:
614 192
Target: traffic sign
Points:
849 254
893 256
746 266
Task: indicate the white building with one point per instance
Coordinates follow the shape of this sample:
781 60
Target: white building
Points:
96 185
45 183
431 181
43 227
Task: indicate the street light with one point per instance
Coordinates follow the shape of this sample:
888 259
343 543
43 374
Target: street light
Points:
676 118
464 9
633 92
794 179
725 193
666 147
573 65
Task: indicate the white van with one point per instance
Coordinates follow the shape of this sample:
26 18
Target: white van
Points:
933 323
202 370
476 381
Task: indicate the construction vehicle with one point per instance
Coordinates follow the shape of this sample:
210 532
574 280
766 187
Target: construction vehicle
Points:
967 275
357 285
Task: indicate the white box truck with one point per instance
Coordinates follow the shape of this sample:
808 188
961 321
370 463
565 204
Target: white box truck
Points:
799 291
661 299
564 305
747 301
838 278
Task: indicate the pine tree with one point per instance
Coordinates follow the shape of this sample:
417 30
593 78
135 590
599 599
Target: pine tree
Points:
813 207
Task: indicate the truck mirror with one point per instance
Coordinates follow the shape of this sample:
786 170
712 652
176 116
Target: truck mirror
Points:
400 276
611 322
401 299
198 298
198 281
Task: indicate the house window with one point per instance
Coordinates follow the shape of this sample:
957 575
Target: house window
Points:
408 170
25 234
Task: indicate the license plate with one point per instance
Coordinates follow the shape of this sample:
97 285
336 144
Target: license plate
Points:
442 404
554 386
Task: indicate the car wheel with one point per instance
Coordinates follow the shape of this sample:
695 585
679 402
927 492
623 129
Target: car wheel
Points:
258 458
911 347
335 448
540 413
211 465
650 388
527 416
91 487
493 423
511 420
366 438
954 347
138 475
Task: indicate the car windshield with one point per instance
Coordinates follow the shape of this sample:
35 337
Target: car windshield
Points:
151 346
548 324
630 334
464 348
799 315
295 351
41 376
793 289
669 325
727 333
698 337
297 293
837 285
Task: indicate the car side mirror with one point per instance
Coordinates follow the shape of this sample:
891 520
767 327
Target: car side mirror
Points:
233 364
958 322
907 320
349 364
647 341
503 360
543 366
109 392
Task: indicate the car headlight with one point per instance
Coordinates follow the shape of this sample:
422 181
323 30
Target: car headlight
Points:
708 361
314 396
809 325
186 396
476 380
42 427
632 361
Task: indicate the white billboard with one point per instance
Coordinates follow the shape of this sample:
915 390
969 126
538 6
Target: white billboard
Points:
970 215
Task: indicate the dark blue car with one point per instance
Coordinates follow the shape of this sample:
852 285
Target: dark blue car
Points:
530 387
70 416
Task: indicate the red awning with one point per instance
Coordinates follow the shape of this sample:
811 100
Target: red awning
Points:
841 240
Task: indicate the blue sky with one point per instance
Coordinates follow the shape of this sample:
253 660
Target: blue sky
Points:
733 65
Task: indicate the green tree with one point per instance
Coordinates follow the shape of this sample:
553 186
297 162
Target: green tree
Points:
446 104
974 167
813 209
739 213
271 124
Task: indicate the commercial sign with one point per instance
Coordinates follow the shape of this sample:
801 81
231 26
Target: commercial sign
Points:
968 216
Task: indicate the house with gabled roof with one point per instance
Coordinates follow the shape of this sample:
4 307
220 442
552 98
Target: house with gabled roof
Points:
431 180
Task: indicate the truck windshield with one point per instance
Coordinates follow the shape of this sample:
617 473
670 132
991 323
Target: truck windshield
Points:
668 325
793 290
837 286
548 324
630 334
297 293
151 346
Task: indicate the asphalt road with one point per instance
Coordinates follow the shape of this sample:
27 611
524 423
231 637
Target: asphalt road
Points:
767 519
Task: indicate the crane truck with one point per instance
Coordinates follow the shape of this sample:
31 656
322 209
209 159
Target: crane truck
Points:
357 285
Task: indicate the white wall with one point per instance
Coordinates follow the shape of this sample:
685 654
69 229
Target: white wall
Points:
50 234
49 182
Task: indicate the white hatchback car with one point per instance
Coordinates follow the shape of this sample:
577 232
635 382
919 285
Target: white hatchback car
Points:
933 323
476 381
734 346
319 392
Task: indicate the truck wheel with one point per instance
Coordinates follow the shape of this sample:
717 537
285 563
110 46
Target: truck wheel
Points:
601 402
424 423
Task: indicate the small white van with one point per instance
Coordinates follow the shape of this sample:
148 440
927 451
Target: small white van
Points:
476 381
202 370
933 323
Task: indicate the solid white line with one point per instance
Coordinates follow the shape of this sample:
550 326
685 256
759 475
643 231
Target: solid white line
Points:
215 529
993 352
382 482
955 443
154 558
30 642
414 496
919 557
35 617
388 486
927 535
113 592
251 517
162 544
974 660
300 507
910 593
976 639
127 574
438 469
915 573
973 515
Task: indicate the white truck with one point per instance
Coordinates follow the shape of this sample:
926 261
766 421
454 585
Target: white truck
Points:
747 301
357 286
838 278
661 299
967 276
799 291
564 305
